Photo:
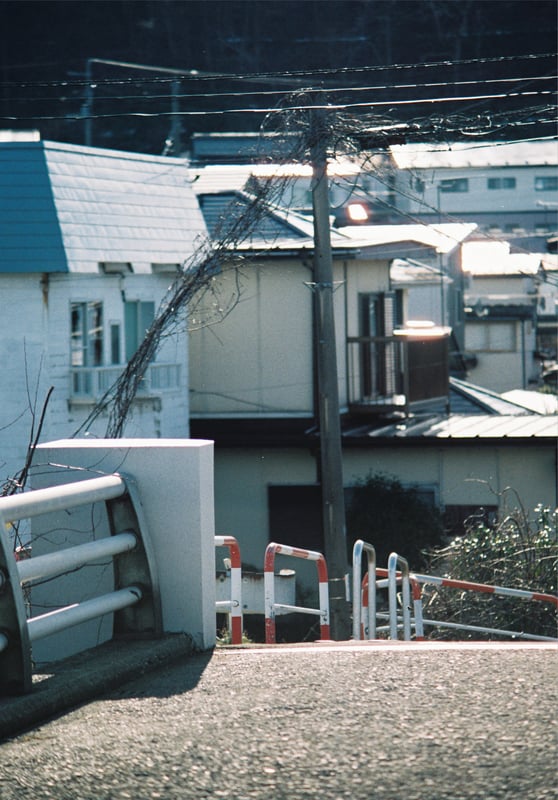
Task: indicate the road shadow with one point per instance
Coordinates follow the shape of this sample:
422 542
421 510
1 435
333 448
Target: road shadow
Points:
118 666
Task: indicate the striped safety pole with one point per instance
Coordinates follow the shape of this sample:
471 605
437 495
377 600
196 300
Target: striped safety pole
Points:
487 589
235 603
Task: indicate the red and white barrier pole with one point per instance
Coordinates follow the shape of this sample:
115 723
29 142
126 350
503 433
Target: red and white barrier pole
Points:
234 605
271 606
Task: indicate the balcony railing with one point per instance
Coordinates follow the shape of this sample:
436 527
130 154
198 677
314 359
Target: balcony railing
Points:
375 372
91 383
397 372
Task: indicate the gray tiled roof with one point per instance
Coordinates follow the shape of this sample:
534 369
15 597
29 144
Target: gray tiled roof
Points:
66 208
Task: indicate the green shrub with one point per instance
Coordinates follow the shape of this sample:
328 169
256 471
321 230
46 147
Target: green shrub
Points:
393 518
517 552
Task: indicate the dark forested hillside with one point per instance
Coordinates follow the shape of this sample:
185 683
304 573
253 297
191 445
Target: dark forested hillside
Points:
44 48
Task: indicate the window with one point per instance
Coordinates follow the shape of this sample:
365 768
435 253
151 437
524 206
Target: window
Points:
547 183
494 337
454 185
501 183
298 510
457 518
379 314
138 317
87 334
115 343
115 267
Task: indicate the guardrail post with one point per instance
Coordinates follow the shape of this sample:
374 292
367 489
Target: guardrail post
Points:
393 560
359 547
234 605
15 645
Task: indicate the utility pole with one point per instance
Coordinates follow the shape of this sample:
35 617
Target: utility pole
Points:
176 125
331 460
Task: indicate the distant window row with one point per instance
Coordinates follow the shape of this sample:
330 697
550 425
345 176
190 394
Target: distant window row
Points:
543 183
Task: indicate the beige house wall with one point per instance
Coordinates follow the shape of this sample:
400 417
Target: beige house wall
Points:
463 475
258 359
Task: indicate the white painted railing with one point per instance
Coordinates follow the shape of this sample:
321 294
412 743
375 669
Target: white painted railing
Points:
136 581
93 382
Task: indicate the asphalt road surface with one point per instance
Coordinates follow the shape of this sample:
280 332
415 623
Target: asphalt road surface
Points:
321 723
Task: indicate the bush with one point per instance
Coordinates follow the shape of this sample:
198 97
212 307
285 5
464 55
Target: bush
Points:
393 518
516 552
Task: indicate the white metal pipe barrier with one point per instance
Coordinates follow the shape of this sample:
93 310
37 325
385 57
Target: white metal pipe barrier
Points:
233 607
416 620
74 557
135 576
483 588
62 618
393 560
359 547
269 589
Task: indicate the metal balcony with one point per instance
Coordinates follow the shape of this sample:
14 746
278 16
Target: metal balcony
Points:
397 373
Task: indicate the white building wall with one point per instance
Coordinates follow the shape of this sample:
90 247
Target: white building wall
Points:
524 197
35 355
502 370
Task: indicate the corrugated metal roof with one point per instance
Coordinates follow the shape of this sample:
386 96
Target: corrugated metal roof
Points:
462 428
443 238
477 154
467 398
492 259
495 427
69 208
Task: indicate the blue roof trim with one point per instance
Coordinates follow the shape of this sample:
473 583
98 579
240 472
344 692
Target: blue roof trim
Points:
30 233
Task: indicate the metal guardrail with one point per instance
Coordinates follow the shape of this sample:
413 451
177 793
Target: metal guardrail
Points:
359 548
393 560
485 588
232 607
412 581
135 601
269 587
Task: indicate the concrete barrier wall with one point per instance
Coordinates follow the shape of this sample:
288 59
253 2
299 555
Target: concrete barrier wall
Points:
174 480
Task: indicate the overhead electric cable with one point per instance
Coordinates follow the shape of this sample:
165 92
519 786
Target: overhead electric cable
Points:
320 90
195 75
284 109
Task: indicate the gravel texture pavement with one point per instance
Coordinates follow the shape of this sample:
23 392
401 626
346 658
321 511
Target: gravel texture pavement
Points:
414 722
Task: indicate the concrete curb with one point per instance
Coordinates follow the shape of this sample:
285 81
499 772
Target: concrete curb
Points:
88 675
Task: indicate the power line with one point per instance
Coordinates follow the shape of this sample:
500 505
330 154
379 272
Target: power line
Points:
284 109
194 75
283 93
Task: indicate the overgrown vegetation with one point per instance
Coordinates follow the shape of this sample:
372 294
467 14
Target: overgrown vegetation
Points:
519 552
393 517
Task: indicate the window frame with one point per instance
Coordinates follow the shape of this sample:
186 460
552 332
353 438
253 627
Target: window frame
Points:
90 347
501 183
453 185
541 182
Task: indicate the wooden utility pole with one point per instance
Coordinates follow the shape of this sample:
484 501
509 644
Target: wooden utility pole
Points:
331 460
